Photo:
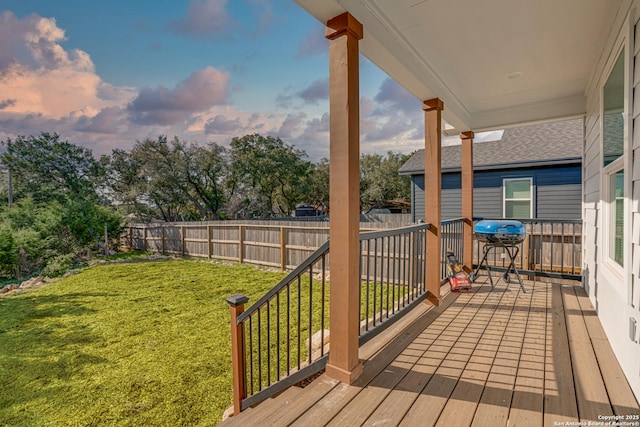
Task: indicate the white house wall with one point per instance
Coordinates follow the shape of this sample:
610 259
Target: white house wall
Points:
615 302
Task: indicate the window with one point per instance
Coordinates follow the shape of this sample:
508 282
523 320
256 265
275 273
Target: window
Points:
613 127
616 206
613 114
517 198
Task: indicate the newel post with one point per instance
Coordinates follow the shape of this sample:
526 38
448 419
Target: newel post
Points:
236 307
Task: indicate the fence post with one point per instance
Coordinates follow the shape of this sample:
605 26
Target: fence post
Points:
209 241
144 242
525 254
240 243
236 307
283 248
182 238
131 238
163 247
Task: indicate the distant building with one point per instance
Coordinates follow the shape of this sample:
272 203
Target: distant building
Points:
531 172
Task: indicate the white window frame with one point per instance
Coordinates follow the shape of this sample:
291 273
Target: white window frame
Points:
615 271
504 195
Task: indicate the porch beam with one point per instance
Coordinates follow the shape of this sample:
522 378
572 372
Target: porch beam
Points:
467 199
344 32
433 192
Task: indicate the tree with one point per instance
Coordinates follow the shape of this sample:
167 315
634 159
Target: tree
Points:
268 174
60 215
177 179
380 181
318 195
47 168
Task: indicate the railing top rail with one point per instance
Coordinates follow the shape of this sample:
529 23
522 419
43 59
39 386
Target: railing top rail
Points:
448 221
534 220
288 278
393 231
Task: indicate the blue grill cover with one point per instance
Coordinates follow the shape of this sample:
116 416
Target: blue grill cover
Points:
505 231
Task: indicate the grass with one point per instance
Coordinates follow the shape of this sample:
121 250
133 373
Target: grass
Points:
123 344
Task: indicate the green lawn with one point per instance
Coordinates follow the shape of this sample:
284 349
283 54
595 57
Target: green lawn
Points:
123 344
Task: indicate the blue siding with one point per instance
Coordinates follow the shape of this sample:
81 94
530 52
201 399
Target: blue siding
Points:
557 192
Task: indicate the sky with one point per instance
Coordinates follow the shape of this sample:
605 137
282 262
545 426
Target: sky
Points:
104 75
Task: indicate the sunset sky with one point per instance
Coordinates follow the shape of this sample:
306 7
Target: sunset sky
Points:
105 74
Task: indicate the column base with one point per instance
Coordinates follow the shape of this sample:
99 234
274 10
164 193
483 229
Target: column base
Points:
433 299
343 375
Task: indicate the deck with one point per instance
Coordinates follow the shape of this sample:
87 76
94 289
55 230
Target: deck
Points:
483 358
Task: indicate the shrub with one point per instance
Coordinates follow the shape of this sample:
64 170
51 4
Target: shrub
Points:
58 265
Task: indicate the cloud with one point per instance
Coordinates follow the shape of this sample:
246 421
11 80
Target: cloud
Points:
263 11
313 94
39 77
313 44
220 125
110 120
293 124
4 103
200 91
391 94
203 18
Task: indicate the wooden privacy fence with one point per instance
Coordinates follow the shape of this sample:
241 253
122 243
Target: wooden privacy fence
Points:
283 247
551 248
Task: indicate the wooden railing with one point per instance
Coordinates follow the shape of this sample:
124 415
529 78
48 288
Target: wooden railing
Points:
552 248
283 337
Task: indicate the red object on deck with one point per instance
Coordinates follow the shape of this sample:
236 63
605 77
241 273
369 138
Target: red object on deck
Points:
458 279
460 282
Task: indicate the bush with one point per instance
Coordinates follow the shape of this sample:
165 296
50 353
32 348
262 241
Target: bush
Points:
51 238
58 265
8 253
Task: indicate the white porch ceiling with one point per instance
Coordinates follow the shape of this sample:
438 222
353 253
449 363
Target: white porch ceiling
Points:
494 63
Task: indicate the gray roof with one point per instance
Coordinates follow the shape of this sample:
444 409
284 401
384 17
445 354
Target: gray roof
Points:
534 145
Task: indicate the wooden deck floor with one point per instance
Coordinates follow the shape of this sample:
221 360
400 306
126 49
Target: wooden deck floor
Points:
483 358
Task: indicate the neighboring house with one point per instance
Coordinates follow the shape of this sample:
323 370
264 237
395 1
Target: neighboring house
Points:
531 172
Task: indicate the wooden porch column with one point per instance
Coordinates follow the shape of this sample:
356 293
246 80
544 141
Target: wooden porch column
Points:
467 199
343 33
433 192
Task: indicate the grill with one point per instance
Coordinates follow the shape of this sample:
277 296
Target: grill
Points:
506 235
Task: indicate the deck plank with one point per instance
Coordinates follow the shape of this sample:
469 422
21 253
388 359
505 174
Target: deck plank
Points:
495 402
333 403
464 400
308 397
423 359
559 391
620 395
590 390
433 398
482 358
528 393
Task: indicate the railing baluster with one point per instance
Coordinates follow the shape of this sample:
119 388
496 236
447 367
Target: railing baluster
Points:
396 270
310 311
288 329
388 281
366 295
268 333
251 351
322 308
259 361
299 299
375 280
277 336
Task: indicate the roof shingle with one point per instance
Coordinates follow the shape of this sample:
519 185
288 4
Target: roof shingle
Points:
545 143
